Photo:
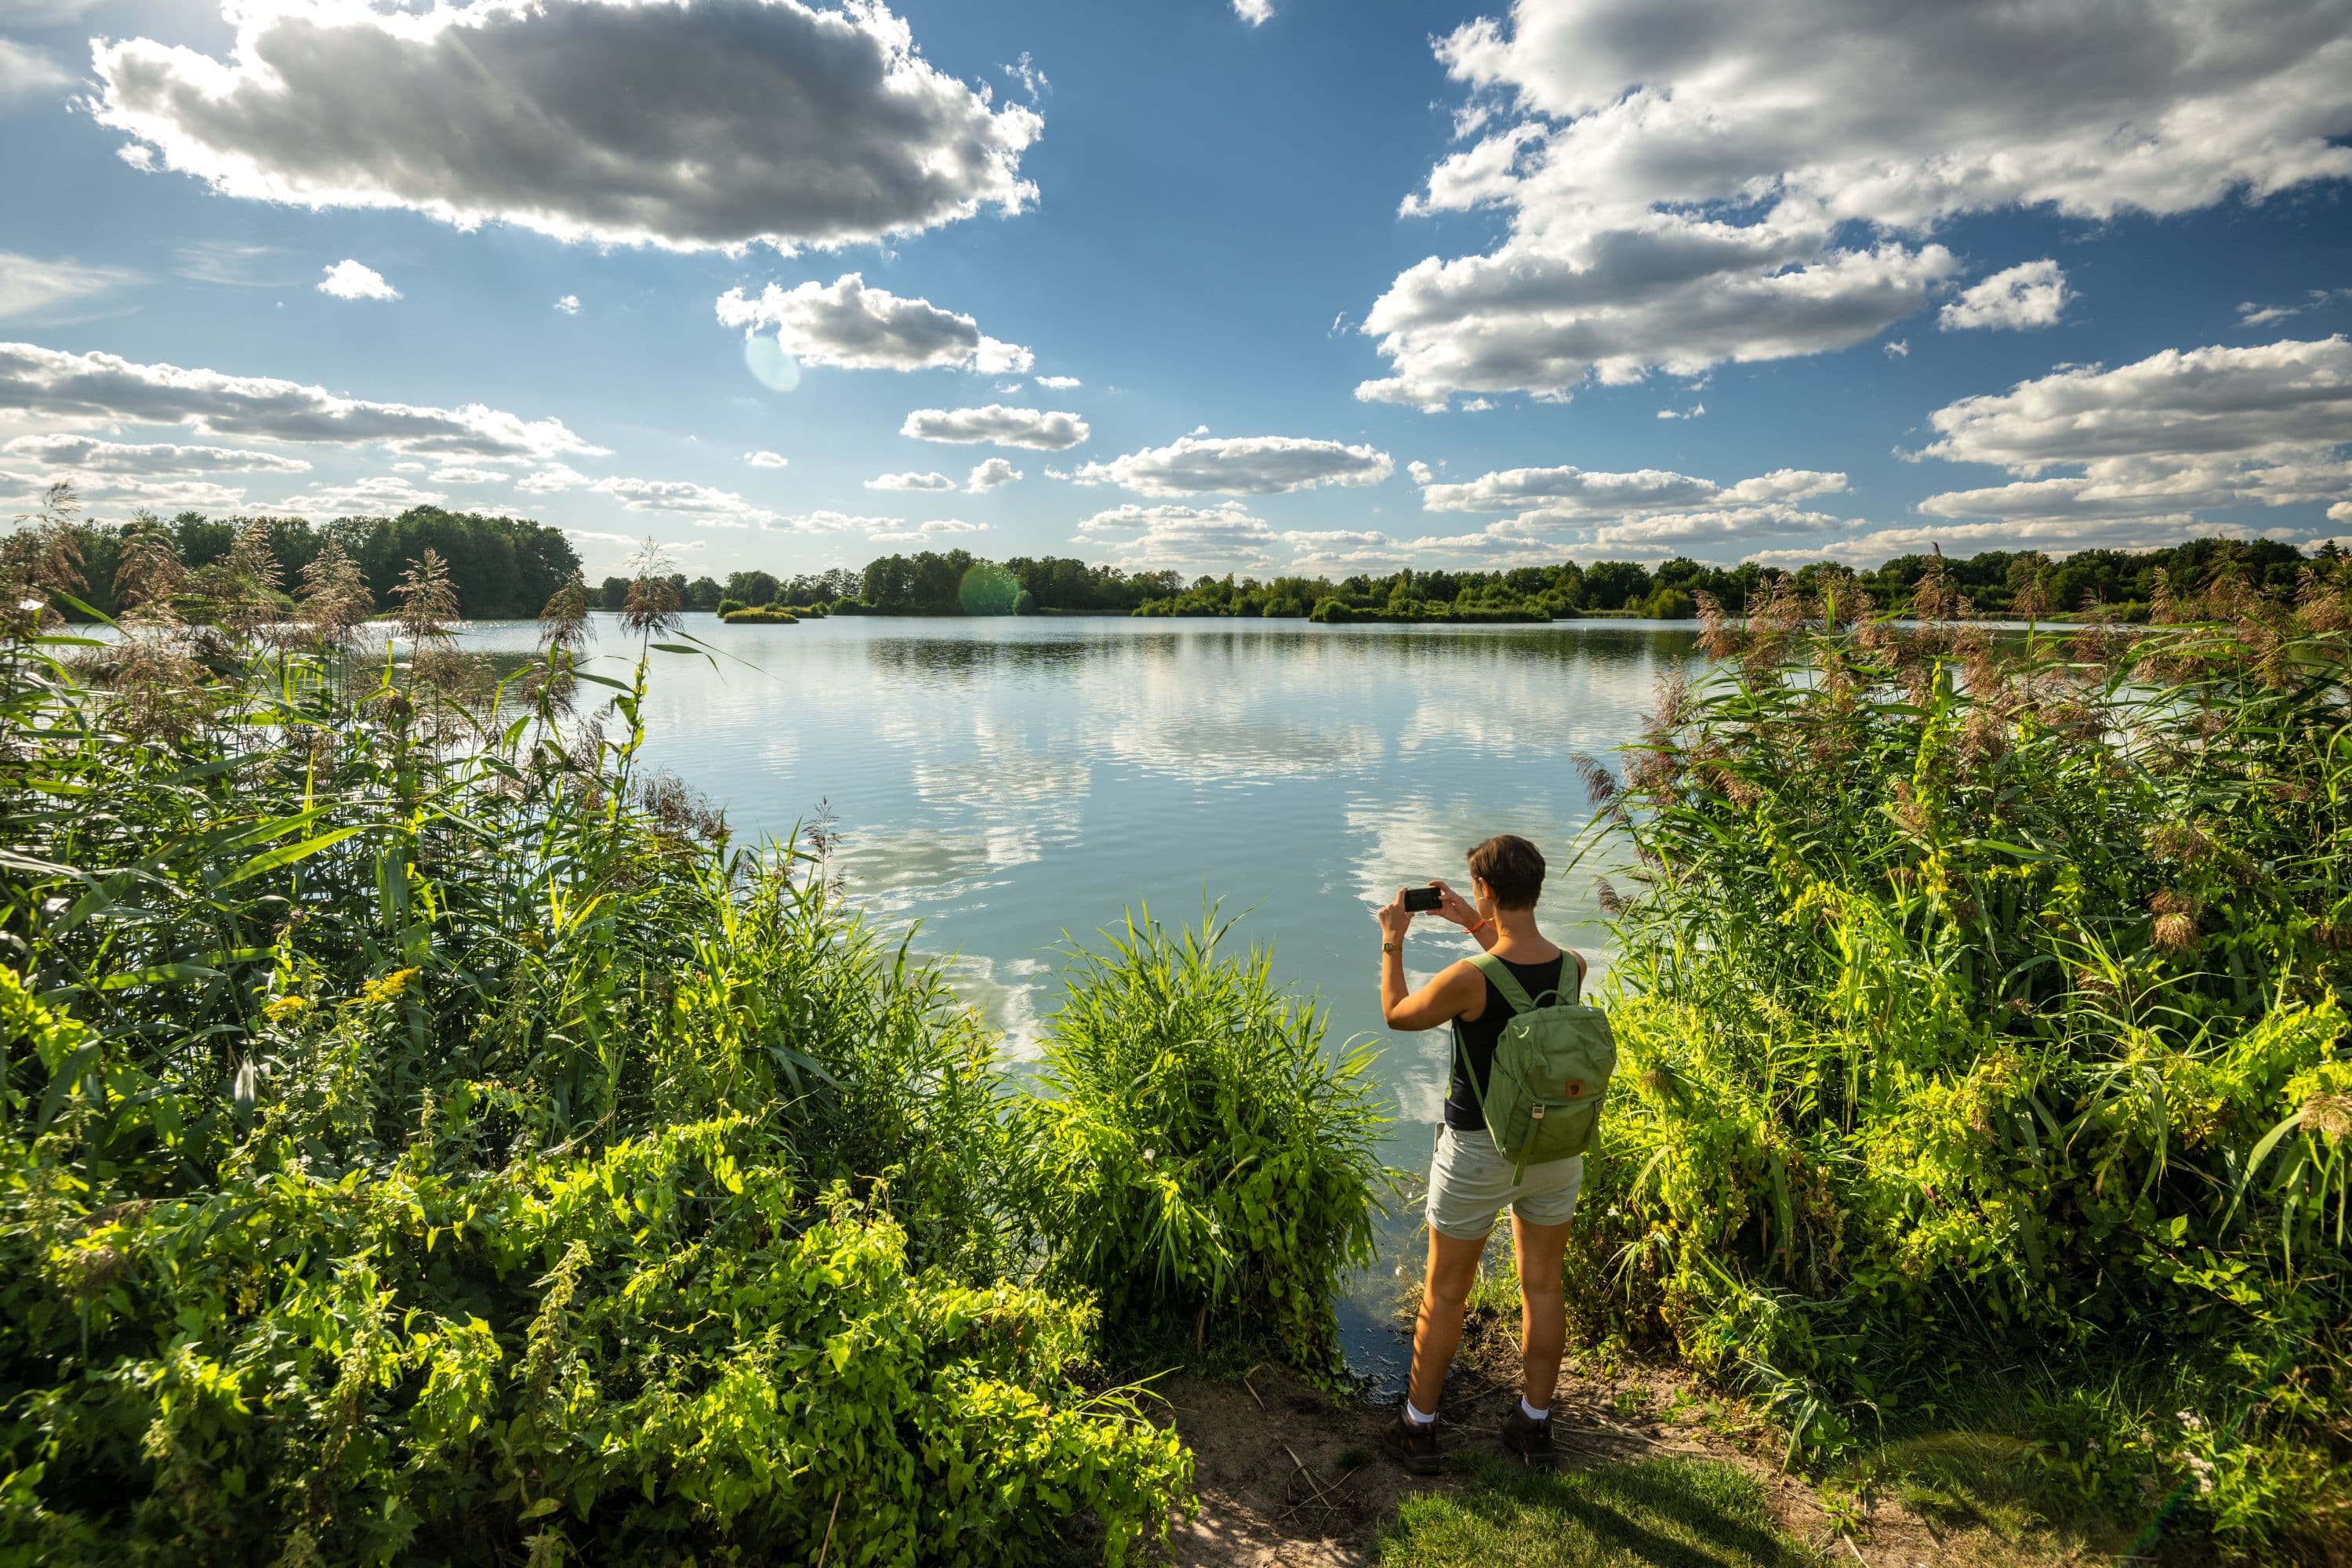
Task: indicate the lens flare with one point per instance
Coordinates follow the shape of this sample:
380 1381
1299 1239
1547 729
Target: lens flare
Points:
769 364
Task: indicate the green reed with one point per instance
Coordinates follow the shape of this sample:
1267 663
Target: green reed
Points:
1200 1163
1982 1005
429 1136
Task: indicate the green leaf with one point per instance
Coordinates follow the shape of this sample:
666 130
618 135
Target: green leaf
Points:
61 1083
285 855
156 975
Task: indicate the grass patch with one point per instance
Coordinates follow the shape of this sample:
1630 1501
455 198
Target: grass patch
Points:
1669 1514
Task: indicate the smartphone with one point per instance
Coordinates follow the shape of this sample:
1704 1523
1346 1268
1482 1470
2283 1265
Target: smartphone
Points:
1422 900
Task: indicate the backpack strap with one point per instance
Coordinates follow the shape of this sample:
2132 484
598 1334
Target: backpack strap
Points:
1571 981
1571 975
1504 981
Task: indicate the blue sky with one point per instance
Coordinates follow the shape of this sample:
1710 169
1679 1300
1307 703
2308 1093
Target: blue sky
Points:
1325 286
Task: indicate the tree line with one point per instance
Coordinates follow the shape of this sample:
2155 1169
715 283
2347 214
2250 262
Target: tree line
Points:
501 568
1996 583
507 568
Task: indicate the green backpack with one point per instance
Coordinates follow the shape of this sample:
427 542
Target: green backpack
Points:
1552 1071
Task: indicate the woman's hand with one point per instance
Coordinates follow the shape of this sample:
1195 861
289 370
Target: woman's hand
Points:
1394 917
1456 908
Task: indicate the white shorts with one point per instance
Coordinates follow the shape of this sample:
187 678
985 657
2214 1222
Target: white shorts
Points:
1470 1183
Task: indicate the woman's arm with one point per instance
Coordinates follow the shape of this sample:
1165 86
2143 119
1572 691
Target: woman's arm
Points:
1455 989
1464 913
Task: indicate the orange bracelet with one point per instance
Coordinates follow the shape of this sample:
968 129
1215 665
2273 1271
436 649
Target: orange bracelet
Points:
1474 930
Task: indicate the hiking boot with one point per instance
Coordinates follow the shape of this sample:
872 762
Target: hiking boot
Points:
1411 1443
1530 1440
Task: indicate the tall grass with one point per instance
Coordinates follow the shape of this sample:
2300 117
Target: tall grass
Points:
429 1136
1982 1004
1200 1164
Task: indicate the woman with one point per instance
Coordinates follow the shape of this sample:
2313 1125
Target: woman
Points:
1469 1180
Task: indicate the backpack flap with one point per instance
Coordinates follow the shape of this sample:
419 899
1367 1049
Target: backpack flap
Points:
1550 1074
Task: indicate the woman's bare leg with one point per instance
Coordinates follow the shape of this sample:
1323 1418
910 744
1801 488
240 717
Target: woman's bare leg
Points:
1543 1308
1444 1295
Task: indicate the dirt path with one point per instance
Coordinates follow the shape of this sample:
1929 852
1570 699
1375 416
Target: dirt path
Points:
1289 1478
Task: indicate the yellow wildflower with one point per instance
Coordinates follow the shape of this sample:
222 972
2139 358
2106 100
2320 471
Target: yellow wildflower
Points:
383 988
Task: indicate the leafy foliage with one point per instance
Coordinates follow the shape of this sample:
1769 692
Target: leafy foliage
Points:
1202 1166
429 1137
1985 999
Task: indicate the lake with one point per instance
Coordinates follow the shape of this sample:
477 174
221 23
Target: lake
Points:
1004 782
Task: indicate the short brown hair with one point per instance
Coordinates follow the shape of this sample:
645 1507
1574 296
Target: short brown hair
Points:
1512 866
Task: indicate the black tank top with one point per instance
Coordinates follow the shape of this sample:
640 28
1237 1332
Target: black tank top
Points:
1476 1038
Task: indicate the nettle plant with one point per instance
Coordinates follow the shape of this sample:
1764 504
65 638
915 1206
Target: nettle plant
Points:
429 1137
1982 1001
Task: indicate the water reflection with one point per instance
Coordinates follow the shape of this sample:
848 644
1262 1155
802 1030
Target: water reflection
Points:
1002 782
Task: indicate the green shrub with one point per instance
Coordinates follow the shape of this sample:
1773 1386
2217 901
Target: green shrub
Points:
427 1138
1669 605
1981 1004
725 608
768 616
1200 1165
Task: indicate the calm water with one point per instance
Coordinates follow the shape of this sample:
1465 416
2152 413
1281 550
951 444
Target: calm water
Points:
1005 782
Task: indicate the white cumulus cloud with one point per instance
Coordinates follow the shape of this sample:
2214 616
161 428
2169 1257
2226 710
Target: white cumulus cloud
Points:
691 125
93 454
1003 426
683 498
1568 491
766 460
910 481
2145 449
1255 12
569 305
1239 465
1224 538
1681 177
990 474
1658 291
823 522
384 497
348 279
1717 530
2030 294
1058 383
926 532
553 480
42 381
852 327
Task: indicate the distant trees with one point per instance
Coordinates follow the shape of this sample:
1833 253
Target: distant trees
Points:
750 587
2122 581
507 568
501 567
1060 583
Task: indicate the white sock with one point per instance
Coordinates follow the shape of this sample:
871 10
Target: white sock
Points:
1531 1413
1415 1417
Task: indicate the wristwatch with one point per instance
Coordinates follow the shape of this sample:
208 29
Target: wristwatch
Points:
1392 947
